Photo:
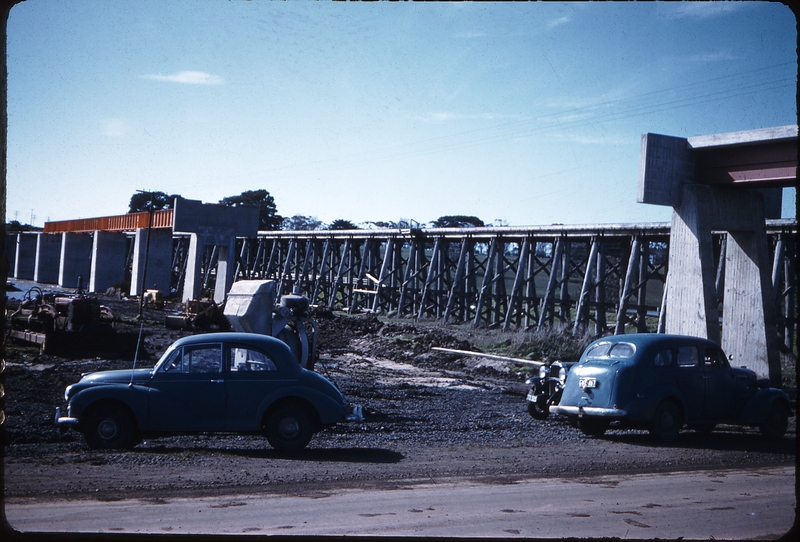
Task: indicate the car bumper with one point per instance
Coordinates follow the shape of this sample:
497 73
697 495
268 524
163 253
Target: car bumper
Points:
64 420
600 412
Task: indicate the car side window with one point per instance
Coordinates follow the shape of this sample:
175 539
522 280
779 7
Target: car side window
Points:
688 356
714 357
206 358
247 359
174 363
663 358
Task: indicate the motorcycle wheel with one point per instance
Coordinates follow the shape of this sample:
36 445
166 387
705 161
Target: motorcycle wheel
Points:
539 409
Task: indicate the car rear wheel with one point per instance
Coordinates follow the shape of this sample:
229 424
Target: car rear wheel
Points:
109 427
288 428
592 427
667 422
777 422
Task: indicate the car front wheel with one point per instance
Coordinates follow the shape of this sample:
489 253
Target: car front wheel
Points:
109 427
288 428
777 422
667 422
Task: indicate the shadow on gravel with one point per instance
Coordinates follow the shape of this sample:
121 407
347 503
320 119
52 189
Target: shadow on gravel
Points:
344 455
718 441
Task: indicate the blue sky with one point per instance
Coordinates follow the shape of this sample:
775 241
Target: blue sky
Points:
526 113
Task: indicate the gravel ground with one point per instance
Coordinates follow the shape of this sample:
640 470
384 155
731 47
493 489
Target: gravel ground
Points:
428 417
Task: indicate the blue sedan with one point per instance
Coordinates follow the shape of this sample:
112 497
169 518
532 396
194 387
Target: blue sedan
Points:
663 382
216 382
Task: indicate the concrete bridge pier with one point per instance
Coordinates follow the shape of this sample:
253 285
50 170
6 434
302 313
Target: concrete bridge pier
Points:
690 280
10 251
157 258
730 183
25 256
74 266
226 252
48 258
212 225
108 260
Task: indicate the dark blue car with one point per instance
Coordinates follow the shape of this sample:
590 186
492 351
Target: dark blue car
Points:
663 382
216 382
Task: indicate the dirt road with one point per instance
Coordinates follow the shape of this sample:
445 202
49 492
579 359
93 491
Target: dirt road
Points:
723 504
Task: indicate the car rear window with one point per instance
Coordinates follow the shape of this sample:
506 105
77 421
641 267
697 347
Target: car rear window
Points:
611 350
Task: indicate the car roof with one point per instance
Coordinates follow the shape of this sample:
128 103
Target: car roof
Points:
254 339
647 339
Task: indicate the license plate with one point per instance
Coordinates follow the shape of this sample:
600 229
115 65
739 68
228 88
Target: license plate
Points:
587 382
531 397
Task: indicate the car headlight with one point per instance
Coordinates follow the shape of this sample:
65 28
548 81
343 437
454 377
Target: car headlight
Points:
68 392
543 371
562 375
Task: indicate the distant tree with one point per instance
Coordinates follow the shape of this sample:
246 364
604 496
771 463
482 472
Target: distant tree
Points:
141 201
15 226
301 223
342 224
458 221
268 217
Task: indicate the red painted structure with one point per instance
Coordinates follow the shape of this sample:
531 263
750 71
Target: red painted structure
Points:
128 222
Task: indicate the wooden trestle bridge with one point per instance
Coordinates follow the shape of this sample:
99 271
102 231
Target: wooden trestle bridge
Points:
606 278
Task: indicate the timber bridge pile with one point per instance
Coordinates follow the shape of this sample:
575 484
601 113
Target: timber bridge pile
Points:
599 278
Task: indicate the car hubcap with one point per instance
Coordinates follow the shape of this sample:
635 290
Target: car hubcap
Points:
107 429
289 428
667 421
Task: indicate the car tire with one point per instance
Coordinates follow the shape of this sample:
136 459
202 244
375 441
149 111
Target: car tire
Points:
288 428
592 427
109 427
539 409
774 428
667 421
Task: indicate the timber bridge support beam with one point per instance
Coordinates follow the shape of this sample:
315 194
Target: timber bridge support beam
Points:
596 278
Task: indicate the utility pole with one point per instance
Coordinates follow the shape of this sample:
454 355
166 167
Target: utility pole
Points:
146 252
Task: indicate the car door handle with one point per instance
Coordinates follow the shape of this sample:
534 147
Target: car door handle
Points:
217 381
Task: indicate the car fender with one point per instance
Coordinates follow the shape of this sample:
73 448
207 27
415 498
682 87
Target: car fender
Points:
132 396
329 410
757 407
643 409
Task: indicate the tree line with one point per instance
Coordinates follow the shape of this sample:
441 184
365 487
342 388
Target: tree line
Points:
270 220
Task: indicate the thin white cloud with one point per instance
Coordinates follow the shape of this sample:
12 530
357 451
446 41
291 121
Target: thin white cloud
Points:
704 10
114 127
558 22
187 77
444 116
712 57
470 35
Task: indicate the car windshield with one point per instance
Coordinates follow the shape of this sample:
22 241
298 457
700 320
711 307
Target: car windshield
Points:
611 350
167 354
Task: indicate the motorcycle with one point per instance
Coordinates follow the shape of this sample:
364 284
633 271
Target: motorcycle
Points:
251 308
546 388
